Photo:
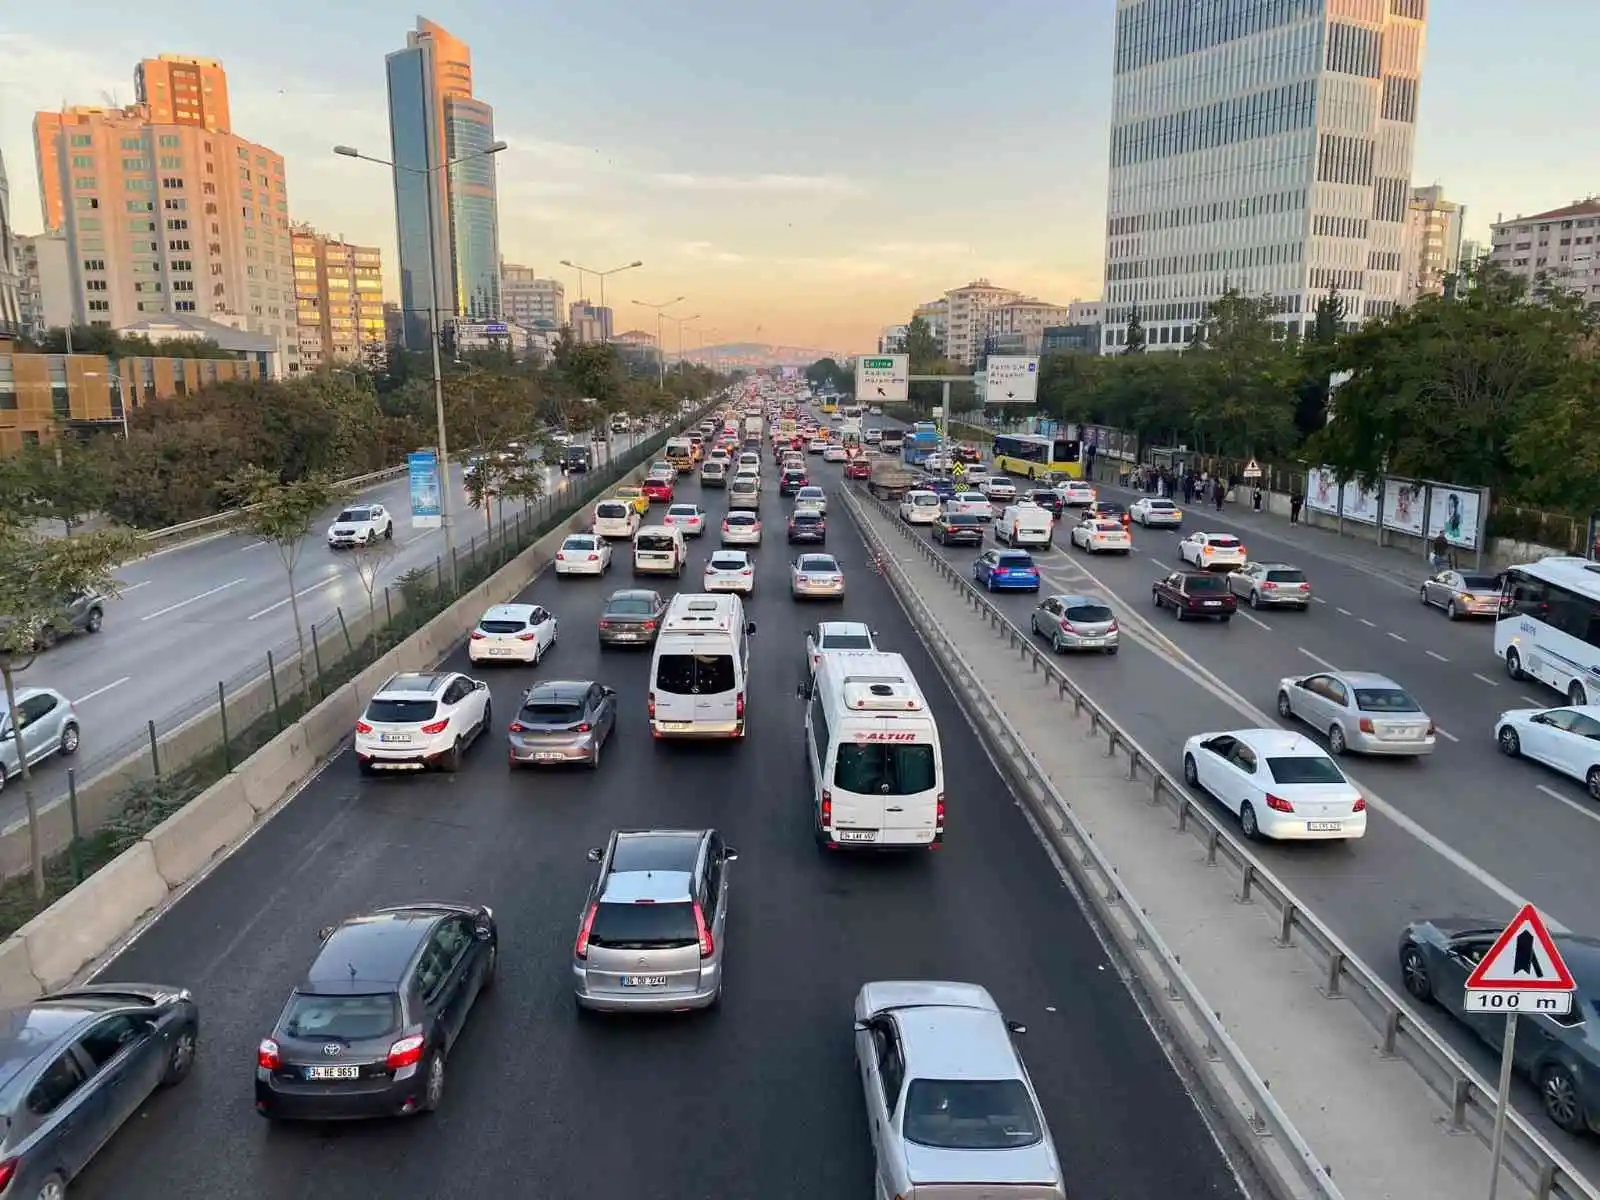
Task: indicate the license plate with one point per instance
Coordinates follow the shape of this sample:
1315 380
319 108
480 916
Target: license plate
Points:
1323 826
333 1072
1091 641
395 737
1213 603
644 981
676 726
548 756
497 652
856 835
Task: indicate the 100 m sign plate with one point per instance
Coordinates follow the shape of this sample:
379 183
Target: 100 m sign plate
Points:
1547 1004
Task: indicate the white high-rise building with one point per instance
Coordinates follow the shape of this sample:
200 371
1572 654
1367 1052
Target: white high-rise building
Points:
967 318
1259 144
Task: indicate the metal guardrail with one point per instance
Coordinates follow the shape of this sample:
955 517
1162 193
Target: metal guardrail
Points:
1469 1098
222 519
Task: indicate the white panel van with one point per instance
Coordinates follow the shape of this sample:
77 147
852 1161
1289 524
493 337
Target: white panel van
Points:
615 519
877 770
1024 525
659 550
700 671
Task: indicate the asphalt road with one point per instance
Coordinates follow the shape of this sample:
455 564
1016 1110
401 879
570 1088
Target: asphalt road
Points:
210 610
757 1099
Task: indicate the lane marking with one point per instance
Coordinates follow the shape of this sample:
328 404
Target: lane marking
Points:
1319 599
1445 733
1254 621
1531 701
255 545
321 583
101 691
1345 612
221 587
1432 654
1484 679
1367 623
1580 809
1160 562
132 587
1321 662
1395 636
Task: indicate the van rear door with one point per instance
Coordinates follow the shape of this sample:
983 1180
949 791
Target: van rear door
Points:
888 779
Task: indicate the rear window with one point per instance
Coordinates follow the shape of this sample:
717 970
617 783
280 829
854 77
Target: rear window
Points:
551 713
714 466
970 1114
1305 769
579 542
884 769
1481 583
728 562
341 1018
1289 576
966 519
1385 700
741 519
1197 585
502 626
847 641
402 712
695 674
1223 543
1089 614
1167 504
744 485
925 501
630 608
612 511
1015 561
815 562
683 510
654 541
643 926
807 518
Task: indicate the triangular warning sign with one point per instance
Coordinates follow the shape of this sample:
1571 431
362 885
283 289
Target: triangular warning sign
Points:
1523 958
1252 465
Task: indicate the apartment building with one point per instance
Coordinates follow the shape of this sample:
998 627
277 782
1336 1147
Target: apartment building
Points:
1262 146
591 323
967 318
892 339
530 301
44 281
1019 326
166 210
1085 312
936 313
338 290
1433 242
10 270
1556 247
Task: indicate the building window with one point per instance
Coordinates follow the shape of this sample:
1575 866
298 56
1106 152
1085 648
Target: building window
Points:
94 264
133 143
83 183
84 162
135 164
183 305
172 183
171 162
169 141
83 139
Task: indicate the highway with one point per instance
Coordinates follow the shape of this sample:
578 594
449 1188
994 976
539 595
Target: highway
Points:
210 610
758 1098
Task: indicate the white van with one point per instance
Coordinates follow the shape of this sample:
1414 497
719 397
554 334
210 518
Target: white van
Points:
700 669
659 550
744 492
1024 525
615 519
877 772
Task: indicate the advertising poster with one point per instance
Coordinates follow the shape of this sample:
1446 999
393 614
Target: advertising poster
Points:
1322 491
424 470
1402 506
1360 503
1455 512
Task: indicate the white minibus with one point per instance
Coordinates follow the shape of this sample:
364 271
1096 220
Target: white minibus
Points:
700 671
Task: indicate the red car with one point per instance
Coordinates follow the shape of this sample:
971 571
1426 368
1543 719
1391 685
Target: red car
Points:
858 468
658 491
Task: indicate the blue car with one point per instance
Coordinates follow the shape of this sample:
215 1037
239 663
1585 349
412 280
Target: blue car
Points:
939 486
1006 570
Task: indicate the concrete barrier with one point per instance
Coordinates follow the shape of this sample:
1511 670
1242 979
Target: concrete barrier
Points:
94 916
267 774
190 838
18 983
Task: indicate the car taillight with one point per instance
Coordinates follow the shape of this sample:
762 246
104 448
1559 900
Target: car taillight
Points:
580 948
436 726
1067 626
584 727
605 624
707 946
363 727
938 813
267 1056
738 705
517 727
648 626
1207 550
1365 725
1111 628
804 579
827 808
650 703
1243 553
1360 805
407 1052
1278 804
526 636
594 558
478 635
746 571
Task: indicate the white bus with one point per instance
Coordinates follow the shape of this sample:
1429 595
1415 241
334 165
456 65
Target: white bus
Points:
1549 626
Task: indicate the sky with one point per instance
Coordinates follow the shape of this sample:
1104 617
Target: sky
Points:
803 174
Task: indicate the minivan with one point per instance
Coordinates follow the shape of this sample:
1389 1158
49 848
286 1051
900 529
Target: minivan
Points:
699 674
659 550
615 519
744 492
714 472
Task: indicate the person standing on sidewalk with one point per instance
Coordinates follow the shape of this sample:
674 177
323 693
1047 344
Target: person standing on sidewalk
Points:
1255 498
1296 502
1441 552
1221 493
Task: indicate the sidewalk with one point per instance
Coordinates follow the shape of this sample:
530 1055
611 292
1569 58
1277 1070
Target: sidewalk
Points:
1371 1121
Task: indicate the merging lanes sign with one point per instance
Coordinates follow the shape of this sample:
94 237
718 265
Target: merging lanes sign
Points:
1011 379
882 377
1523 972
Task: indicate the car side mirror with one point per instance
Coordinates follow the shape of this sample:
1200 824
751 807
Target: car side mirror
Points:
605 691
861 1026
1016 1027
729 854
1538 719
482 932
750 628
325 932
595 854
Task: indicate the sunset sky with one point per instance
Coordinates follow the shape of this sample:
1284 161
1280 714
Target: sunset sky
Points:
804 174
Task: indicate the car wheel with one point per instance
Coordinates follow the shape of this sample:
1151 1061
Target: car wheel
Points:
1414 974
1510 744
69 740
1592 782
1576 695
1247 823
433 1083
94 621
180 1059
1513 664
388 532
1451 611
594 759
1255 599
1177 611
1191 773
451 762
1285 708
53 1188
1155 598
1336 743
492 970
1422 594
1057 646
1558 1096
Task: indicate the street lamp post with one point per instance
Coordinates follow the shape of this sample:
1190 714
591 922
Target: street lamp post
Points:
445 501
661 354
601 275
682 321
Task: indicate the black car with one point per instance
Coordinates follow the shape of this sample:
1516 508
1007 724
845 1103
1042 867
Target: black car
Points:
575 459
1046 498
958 529
807 526
632 617
367 1031
791 482
1192 594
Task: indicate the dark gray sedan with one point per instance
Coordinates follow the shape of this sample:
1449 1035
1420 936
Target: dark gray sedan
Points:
632 617
76 1065
563 721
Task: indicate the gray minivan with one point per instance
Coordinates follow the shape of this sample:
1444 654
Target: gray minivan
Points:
714 473
744 492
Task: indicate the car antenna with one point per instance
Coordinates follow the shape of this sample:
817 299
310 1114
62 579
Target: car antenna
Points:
352 967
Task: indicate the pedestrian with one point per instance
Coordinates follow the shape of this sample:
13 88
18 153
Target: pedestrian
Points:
1222 494
1441 551
1296 503
1255 498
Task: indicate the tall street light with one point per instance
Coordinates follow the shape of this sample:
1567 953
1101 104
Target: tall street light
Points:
682 321
661 359
428 173
601 276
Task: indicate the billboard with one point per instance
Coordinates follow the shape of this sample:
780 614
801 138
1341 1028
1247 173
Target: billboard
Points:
423 468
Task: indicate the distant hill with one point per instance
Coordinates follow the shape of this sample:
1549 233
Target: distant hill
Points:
761 354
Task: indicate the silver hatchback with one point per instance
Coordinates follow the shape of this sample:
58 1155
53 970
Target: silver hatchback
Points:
1359 711
49 726
813 575
651 937
563 721
1076 623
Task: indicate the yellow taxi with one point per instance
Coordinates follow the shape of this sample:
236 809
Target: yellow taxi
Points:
634 496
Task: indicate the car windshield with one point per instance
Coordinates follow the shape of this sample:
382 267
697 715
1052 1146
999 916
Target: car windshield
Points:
551 712
1311 768
400 712
1197 585
695 674
884 769
1385 700
1089 614
643 926
341 1018
356 514
970 1114
630 606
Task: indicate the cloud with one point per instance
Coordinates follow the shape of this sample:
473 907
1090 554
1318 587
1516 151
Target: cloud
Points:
815 185
707 252
922 249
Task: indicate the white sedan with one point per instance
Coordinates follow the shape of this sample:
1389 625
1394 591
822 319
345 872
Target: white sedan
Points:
1075 493
513 633
969 504
584 554
837 635
920 508
1564 739
1099 536
999 490
687 517
834 454
973 478
741 528
1208 551
1156 512
813 498
817 446
1281 785
730 571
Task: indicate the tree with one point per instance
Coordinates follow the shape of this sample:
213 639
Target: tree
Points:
38 576
1244 379
282 513
1135 342
923 346
66 480
484 483
371 558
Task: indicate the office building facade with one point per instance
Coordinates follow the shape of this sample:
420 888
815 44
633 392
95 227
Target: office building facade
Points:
44 282
1555 248
590 322
1433 242
531 301
1263 145
338 290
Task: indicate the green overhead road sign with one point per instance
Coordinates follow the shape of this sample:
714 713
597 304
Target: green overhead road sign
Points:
882 379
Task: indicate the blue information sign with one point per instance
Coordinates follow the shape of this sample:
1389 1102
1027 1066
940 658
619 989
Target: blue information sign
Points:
425 511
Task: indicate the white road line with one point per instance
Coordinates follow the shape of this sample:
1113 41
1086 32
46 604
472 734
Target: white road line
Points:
1159 562
1580 809
1321 662
132 587
1484 679
221 587
254 545
1254 621
101 691
1367 623
1395 636
1446 734
1319 599
1531 701
321 583
1432 654
1345 612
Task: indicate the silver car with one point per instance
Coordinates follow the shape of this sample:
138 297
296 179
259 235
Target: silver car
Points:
1271 585
951 1106
1359 711
813 575
1071 622
563 721
741 528
49 726
1463 594
652 934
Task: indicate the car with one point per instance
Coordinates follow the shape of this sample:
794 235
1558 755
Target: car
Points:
807 525
999 490
972 479
958 529
1110 511
812 497
1281 785
634 496
688 517
858 468
1463 594
417 720
741 528
1193 594
575 459
1271 585
1010 570
360 525
631 617
730 571
562 721
1072 622
834 454
872 436
513 633
970 504
1045 498
837 635
939 485
49 726
1098 535
875 411
794 462
817 445
791 481
583 554
749 463
79 612
920 507
1212 551
1156 512
652 936
662 469
714 472
658 490
816 575
1075 493
1359 711
615 518
947 1096
368 1029
1565 739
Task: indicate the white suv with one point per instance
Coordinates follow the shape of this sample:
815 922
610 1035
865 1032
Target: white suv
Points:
360 525
417 721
